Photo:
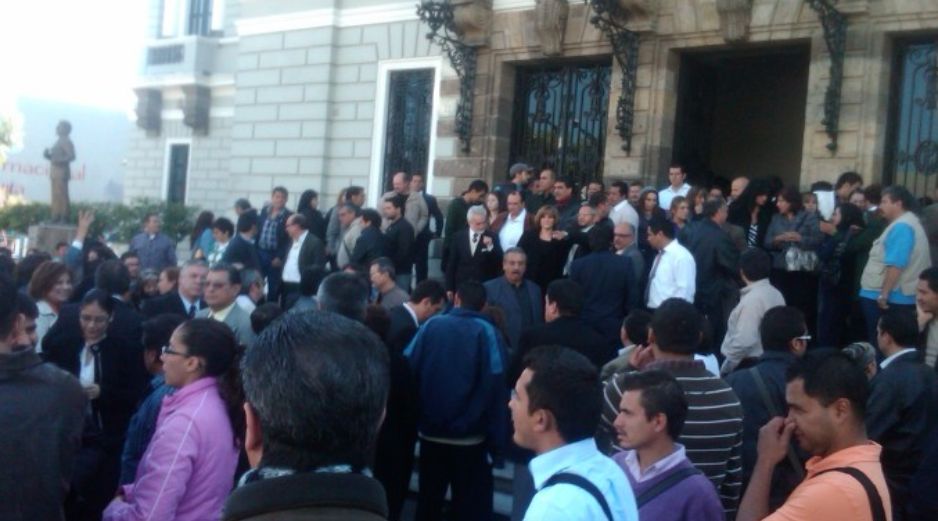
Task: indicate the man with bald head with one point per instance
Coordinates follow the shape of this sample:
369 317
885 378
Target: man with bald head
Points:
737 187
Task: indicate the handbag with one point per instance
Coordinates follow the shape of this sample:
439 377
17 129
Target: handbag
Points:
798 259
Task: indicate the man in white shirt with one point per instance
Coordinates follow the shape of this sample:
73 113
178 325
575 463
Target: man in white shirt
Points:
513 228
673 272
555 408
622 210
306 251
676 176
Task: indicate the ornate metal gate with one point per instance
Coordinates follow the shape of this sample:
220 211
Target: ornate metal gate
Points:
407 132
913 146
560 119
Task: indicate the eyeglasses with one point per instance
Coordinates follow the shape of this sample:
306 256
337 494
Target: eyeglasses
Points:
88 319
806 338
166 350
623 235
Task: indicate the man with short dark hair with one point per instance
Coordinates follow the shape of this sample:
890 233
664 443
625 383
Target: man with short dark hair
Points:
309 451
674 272
901 411
426 300
344 293
272 240
516 222
351 226
222 232
566 203
155 249
542 194
132 261
381 273
555 406
563 326
518 298
826 397
716 262
354 195
41 418
399 239
222 286
458 361
713 431
676 177
412 205
666 484
742 338
761 391
619 200
926 303
241 251
306 252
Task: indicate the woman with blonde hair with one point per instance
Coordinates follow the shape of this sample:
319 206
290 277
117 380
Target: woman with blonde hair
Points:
546 248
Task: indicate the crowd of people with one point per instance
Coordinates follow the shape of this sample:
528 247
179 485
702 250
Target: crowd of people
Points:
743 352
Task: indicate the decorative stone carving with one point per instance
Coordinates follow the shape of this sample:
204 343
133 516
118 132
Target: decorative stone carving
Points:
735 16
195 108
550 20
473 21
640 14
149 110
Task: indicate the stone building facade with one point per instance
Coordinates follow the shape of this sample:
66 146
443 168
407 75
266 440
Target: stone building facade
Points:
302 93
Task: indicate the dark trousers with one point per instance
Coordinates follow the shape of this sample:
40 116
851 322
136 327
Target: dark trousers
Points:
467 469
421 252
800 289
289 293
273 274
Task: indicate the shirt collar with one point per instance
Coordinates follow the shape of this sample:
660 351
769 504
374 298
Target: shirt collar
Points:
897 354
867 452
185 302
673 245
412 313
222 314
655 469
551 462
301 238
761 283
519 218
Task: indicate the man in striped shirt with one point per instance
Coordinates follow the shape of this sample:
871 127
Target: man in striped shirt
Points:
712 432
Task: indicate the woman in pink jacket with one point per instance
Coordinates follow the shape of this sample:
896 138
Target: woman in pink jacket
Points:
188 468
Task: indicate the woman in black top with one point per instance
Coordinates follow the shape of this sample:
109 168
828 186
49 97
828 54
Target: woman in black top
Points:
546 248
837 290
753 212
309 207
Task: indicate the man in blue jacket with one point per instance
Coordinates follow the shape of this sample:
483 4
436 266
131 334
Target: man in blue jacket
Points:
458 362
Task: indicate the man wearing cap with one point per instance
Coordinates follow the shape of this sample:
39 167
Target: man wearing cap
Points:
519 176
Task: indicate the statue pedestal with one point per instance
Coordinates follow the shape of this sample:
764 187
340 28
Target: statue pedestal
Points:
45 236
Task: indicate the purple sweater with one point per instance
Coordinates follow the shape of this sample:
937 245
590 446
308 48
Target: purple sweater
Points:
693 499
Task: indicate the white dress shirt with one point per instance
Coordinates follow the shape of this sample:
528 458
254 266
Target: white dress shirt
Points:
634 467
624 213
885 363
666 194
44 322
673 275
87 370
411 312
512 230
291 268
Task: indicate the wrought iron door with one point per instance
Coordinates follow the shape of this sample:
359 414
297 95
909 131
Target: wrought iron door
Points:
913 146
407 132
560 119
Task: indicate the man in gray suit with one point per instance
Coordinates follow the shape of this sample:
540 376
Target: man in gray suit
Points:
519 299
222 287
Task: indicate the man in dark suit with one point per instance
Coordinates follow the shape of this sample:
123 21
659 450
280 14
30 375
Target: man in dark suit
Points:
474 254
564 327
241 251
370 244
519 299
426 300
608 283
717 260
111 276
187 299
433 229
901 409
399 240
306 253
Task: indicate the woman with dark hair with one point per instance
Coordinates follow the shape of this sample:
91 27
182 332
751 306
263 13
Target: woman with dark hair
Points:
201 240
837 290
546 248
112 376
169 280
497 205
189 466
792 239
308 206
753 212
680 213
648 211
50 286
696 198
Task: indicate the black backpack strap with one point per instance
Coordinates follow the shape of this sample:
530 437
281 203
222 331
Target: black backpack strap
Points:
664 485
774 411
568 478
876 502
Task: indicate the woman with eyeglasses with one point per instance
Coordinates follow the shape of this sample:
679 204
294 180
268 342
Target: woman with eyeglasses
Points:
189 466
111 375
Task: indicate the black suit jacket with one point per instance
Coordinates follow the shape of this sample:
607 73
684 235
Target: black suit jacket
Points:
901 415
570 332
610 291
312 253
368 247
717 262
399 242
316 222
66 332
462 265
168 303
402 329
122 378
243 252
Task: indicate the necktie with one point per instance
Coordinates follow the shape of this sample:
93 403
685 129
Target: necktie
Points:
475 242
191 310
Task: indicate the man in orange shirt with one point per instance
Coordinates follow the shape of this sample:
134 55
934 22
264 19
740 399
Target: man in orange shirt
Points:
826 398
